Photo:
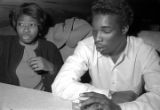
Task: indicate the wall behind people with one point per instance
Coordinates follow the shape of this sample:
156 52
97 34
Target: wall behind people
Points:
145 15
58 10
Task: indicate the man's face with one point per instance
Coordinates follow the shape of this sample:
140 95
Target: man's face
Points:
27 29
107 33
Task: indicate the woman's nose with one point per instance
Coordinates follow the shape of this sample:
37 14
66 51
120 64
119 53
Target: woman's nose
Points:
26 29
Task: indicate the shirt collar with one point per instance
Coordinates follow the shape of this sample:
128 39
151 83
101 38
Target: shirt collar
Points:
128 47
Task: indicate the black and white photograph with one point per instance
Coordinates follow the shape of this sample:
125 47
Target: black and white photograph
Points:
79 55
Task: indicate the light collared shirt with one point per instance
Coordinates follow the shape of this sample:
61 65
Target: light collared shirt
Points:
137 65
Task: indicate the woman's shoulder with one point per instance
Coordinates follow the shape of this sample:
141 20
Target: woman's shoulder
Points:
7 38
45 43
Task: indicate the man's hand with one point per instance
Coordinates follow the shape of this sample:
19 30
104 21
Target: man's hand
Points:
96 101
124 96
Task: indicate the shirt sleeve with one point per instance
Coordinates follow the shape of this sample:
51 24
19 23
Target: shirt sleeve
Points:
67 83
150 100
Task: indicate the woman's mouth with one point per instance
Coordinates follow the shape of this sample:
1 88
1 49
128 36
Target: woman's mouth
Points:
26 37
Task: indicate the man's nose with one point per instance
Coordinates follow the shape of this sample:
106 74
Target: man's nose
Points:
98 36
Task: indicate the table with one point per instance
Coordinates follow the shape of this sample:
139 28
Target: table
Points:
20 98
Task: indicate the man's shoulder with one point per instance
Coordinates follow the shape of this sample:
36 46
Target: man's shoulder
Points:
138 43
86 45
135 40
89 41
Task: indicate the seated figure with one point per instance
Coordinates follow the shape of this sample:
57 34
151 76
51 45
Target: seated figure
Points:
67 34
121 66
27 59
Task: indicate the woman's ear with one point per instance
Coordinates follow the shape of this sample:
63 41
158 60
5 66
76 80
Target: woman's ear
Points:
125 29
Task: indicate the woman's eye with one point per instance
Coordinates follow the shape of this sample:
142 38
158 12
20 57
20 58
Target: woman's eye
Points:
20 24
33 24
27 24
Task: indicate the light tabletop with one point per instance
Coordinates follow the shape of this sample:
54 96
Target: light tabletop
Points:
20 98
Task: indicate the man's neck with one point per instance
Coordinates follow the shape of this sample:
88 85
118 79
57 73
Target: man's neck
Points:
119 50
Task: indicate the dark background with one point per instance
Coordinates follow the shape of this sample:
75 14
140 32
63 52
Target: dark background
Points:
146 12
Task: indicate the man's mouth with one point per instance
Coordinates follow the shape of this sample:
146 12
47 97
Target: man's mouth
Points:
99 47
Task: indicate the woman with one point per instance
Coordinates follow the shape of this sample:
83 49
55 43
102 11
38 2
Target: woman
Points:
27 59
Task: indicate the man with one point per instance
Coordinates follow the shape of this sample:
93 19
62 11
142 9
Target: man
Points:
119 65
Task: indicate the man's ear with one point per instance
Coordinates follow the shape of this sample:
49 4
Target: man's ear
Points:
125 29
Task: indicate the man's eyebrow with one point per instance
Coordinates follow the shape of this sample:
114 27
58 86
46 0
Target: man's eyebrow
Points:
106 27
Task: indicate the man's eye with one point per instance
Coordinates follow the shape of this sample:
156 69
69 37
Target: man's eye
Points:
107 30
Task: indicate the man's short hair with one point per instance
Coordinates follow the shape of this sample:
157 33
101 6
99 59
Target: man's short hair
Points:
33 10
114 7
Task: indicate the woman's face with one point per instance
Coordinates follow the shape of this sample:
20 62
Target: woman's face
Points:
27 29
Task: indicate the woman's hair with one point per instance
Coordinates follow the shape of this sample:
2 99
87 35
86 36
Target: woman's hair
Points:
33 10
114 7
